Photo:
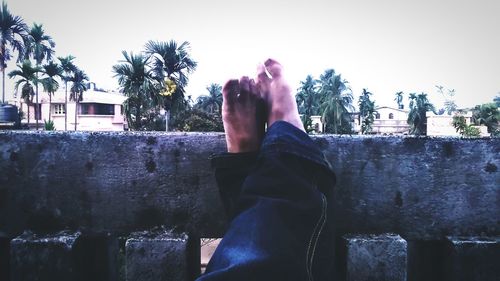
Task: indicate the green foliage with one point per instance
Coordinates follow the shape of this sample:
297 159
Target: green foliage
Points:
419 105
307 122
329 97
211 103
40 45
308 102
336 103
145 80
496 100
68 68
13 37
464 129
49 125
366 111
488 115
172 61
137 83
449 104
27 78
196 120
399 99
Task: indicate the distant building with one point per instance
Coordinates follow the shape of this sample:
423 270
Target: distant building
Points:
388 121
98 111
442 125
317 124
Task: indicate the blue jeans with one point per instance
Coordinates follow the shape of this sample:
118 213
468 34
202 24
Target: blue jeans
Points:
277 202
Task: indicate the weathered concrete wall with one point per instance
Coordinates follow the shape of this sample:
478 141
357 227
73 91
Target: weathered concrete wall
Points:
420 188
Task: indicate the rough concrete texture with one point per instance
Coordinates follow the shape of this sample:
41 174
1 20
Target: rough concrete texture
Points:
375 257
4 258
473 258
157 256
420 188
48 257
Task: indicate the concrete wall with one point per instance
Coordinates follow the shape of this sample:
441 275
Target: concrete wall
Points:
113 184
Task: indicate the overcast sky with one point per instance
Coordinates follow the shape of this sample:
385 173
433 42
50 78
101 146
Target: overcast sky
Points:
384 45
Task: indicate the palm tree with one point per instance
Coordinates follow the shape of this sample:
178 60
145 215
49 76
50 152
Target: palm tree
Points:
68 68
308 101
171 65
40 47
366 111
336 102
137 83
419 105
79 85
13 34
212 102
496 100
50 84
399 100
27 74
488 115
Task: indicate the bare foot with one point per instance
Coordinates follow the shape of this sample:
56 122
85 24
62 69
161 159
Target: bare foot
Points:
276 92
243 115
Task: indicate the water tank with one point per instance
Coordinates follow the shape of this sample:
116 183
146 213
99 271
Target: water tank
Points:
8 113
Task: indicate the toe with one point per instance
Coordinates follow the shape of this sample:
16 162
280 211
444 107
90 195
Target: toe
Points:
245 88
254 89
274 68
262 74
230 91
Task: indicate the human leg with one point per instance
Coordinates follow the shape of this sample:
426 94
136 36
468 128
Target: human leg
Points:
280 229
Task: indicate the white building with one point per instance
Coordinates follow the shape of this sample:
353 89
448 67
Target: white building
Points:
388 120
442 125
98 111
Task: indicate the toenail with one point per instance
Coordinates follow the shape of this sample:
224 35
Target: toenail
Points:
268 74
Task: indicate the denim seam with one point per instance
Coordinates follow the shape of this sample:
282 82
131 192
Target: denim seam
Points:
315 236
324 214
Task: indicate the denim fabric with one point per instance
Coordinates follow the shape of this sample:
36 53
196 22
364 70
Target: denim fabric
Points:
276 200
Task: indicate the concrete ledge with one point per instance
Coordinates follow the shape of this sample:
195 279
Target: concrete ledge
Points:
158 256
421 188
375 257
47 257
473 258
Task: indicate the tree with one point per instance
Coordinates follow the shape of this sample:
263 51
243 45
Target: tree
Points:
496 100
50 84
27 78
366 111
196 120
449 104
399 100
463 128
336 102
488 115
79 85
40 47
211 103
308 101
171 64
68 68
419 105
13 35
137 83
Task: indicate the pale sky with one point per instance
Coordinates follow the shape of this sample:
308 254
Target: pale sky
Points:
385 45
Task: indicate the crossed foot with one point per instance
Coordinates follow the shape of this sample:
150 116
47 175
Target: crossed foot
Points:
247 106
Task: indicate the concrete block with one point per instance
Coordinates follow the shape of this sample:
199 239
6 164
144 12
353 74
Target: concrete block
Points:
473 258
375 257
158 256
44 257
